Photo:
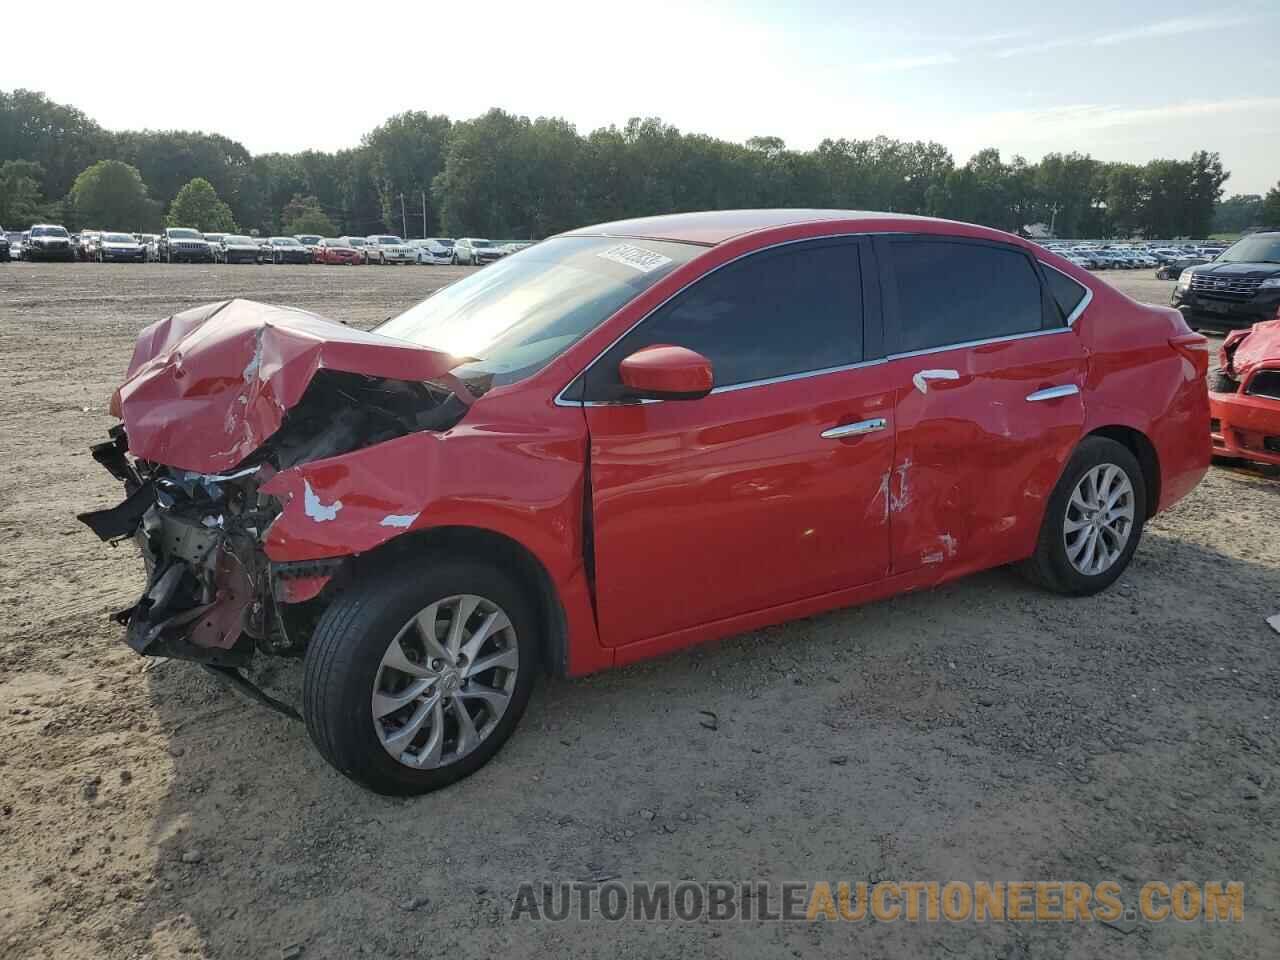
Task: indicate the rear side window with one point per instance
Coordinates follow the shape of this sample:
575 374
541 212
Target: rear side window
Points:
953 292
791 310
1067 293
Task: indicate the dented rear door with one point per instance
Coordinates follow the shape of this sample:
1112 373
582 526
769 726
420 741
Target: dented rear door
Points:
987 379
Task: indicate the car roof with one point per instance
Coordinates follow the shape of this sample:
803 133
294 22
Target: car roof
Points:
716 226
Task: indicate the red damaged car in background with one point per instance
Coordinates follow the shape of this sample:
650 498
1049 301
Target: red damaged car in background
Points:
1244 401
625 440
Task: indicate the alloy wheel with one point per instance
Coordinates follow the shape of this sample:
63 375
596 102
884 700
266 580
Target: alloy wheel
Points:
445 681
1099 519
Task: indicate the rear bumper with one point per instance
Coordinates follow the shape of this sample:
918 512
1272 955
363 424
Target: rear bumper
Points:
1245 426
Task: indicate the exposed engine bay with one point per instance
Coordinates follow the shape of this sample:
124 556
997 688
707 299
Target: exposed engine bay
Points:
212 594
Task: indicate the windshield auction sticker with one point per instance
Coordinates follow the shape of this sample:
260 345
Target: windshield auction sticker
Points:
638 258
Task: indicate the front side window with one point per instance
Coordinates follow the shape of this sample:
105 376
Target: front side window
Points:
952 292
514 317
794 309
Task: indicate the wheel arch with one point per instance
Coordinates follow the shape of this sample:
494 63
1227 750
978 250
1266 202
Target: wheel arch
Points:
1140 445
487 546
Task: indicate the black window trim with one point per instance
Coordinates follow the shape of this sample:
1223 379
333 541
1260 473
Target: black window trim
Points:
872 325
1048 306
1074 315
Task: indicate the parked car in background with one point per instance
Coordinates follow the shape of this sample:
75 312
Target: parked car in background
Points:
1172 269
431 251
5 253
874 403
214 239
361 246
118 248
475 251
236 248
288 250
1239 288
183 245
14 238
86 243
337 250
387 248
48 241
310 241
1244 395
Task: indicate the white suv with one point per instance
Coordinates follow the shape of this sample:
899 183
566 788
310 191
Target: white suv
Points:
385 248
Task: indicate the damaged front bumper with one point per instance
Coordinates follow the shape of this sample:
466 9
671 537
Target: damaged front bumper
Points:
212 595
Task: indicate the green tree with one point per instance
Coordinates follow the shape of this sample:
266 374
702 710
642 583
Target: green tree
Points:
1271 208
20 201
111 195
405 155
197 205
303 215
1237 213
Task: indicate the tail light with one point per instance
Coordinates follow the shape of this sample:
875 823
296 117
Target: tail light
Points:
1195 348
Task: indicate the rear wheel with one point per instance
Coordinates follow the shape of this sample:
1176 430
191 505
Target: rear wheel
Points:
1093 522
415 681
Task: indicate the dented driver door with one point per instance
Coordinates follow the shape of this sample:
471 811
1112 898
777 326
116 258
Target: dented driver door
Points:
987 378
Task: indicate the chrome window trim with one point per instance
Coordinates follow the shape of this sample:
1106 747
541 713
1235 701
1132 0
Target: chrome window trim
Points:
560 400
1084 301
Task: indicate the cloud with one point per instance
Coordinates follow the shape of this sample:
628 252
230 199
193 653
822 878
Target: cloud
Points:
1171 28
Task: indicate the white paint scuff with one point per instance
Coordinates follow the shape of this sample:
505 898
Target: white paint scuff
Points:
921 379
401 520
317 511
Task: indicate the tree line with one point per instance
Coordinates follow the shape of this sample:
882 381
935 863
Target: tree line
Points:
503 175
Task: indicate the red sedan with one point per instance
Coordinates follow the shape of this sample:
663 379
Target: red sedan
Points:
625 440
336 250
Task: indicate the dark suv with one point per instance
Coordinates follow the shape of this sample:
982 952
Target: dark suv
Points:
1237 289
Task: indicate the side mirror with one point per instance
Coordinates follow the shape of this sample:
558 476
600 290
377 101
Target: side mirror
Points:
667 372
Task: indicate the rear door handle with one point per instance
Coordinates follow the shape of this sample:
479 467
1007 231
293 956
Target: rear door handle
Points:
855 429
1054 393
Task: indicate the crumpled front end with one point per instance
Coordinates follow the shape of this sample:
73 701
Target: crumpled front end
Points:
220 400
1244 399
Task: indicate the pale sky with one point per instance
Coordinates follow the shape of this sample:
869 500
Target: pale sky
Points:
1119 81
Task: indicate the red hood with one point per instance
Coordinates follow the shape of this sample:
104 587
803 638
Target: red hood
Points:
1245 349
208 386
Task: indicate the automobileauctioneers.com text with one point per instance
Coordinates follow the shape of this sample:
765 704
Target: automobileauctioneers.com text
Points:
885 901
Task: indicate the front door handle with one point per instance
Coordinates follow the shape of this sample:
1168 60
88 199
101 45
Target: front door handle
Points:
1054 393
855 429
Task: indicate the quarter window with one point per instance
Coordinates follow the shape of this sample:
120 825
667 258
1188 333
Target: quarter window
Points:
794 309
1066 293
954 292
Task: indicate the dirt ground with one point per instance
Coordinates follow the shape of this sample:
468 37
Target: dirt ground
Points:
980 731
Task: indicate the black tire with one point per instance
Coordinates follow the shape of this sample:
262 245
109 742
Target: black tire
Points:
345 653
1049 566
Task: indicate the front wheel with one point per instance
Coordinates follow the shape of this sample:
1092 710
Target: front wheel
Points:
1093 522
416 681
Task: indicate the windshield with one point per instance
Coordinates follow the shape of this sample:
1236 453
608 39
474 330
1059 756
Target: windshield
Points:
387 240
355 241
308 239
516 316
444 243
117 238
1255 249
49 232
481 243
238 241
181 234
336 242
285 242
